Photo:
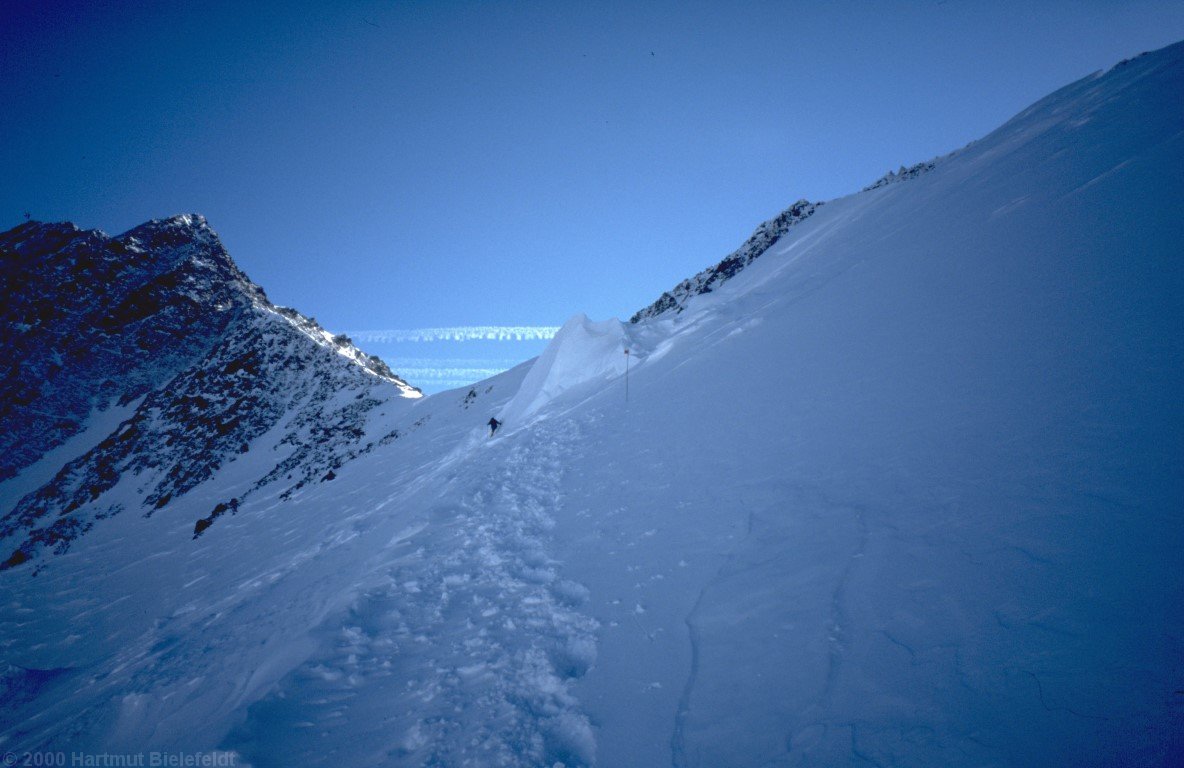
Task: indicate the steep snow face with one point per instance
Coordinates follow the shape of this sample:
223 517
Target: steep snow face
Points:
923 466
582 353
162 317
905 490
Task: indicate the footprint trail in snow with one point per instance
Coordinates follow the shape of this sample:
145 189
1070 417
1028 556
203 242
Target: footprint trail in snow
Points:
463 653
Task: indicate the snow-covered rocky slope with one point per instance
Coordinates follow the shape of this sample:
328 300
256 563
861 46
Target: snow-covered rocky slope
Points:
905 490
152 355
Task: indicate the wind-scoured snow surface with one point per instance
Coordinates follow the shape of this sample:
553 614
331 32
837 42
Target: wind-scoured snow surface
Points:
905 490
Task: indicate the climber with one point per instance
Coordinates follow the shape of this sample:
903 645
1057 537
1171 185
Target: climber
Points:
493 425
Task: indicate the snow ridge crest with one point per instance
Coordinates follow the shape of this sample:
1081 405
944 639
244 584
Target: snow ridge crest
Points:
904 174
711 278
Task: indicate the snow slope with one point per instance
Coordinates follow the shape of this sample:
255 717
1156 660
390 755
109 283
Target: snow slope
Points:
904 491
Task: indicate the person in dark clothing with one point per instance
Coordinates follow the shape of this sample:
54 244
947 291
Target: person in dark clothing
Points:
493 425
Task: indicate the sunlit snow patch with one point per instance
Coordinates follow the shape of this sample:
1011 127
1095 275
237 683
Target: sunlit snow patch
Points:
581 352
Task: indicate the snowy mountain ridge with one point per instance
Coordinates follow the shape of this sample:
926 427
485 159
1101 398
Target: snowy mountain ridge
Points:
761 240
904 490
903 174
161 317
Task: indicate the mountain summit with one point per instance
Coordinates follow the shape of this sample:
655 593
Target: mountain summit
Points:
152 354
897 482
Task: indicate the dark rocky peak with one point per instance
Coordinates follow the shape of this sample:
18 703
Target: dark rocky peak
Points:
36 237
175 230
86 318
34 249
57 270
161 320
186 239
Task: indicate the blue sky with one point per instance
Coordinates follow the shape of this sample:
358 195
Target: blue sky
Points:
406 165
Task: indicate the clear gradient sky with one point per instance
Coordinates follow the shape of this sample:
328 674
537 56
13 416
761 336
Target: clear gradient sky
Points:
399 165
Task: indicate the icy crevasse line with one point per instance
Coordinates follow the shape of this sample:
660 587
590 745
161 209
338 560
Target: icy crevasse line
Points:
678 746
